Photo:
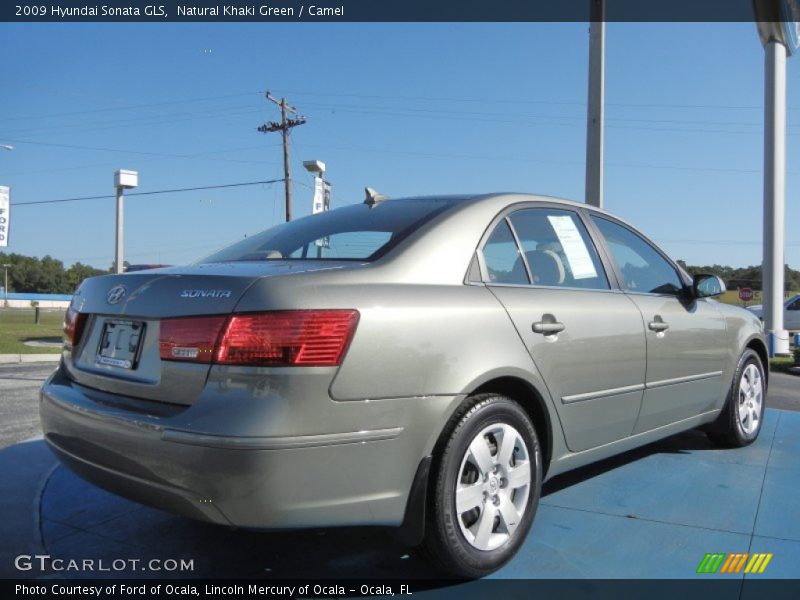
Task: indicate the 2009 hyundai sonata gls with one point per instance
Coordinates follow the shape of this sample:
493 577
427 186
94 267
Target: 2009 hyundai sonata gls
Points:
422 363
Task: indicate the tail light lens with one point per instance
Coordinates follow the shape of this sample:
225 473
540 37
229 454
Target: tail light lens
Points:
311 338
192 340
73 327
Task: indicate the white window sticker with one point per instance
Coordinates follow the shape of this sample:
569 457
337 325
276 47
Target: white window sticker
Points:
577 254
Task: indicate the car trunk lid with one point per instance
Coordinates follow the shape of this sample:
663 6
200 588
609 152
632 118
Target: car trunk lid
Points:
119 350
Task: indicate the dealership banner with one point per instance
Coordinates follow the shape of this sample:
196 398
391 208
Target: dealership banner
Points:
373 10
5 214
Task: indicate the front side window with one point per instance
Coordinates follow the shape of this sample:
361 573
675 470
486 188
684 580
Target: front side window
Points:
642 267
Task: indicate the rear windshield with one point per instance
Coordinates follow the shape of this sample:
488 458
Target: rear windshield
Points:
358 232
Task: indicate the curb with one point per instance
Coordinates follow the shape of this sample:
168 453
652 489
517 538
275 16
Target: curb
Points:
29 358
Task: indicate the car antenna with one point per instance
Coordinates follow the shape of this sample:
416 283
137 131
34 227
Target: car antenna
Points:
373 197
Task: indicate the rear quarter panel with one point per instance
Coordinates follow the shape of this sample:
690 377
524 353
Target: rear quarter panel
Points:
412 340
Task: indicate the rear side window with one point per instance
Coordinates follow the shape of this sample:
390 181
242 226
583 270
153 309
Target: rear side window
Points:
556 251
502 257
642 267
357 232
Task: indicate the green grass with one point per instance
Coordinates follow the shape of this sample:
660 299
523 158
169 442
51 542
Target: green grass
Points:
781 363
17 326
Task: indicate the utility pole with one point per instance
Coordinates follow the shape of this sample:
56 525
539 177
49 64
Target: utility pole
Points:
284 126
5 287
596 108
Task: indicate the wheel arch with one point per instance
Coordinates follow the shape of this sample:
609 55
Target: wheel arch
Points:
760 347
532 403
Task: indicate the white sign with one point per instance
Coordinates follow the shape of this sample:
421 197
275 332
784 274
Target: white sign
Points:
319 196
322 202
5 215
574 247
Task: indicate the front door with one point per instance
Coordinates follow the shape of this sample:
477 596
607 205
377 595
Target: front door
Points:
686 343
585 338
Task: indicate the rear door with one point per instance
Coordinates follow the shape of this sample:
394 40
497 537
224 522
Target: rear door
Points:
585 336
686 340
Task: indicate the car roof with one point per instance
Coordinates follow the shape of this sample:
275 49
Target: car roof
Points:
510 197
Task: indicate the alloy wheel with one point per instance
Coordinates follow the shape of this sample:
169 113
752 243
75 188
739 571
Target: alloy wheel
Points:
494 482
751 397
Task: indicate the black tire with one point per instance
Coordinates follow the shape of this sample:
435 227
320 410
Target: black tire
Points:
446 542
728 430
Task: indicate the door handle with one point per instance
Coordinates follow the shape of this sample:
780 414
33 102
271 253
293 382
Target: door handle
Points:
547 328
658 325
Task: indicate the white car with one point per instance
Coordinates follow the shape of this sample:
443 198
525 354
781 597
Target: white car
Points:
791 312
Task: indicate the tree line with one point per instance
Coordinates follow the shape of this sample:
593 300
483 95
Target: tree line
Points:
48 275
745 277
45 275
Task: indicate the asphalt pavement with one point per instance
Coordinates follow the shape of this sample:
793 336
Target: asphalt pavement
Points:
653 512
19 400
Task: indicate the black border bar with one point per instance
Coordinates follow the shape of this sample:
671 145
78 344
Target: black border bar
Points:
714 587
159 11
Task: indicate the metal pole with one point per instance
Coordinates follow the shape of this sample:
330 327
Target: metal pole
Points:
5 287
118 258
286 173
774 194
596 105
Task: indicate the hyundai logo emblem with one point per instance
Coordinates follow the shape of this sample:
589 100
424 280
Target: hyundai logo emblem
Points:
115 294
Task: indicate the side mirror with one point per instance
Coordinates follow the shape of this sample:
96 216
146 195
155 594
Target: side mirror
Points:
705 285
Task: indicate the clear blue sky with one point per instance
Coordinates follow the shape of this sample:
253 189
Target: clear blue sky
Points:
405 108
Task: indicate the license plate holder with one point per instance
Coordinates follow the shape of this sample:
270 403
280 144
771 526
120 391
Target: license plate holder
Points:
120 344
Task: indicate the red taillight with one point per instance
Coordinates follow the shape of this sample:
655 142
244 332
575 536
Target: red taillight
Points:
191 339
73 327
311 338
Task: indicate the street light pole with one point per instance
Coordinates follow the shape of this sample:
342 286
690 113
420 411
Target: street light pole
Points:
122 180
119 241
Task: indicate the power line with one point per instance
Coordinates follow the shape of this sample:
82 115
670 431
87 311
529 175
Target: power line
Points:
136 152
449 115
494 100
140 120
579 119
129 107
191 189
538 160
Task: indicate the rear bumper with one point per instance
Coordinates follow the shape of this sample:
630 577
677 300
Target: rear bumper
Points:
145 451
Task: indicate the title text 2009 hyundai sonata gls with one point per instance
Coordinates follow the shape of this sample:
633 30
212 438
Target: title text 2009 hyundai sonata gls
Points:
421 363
